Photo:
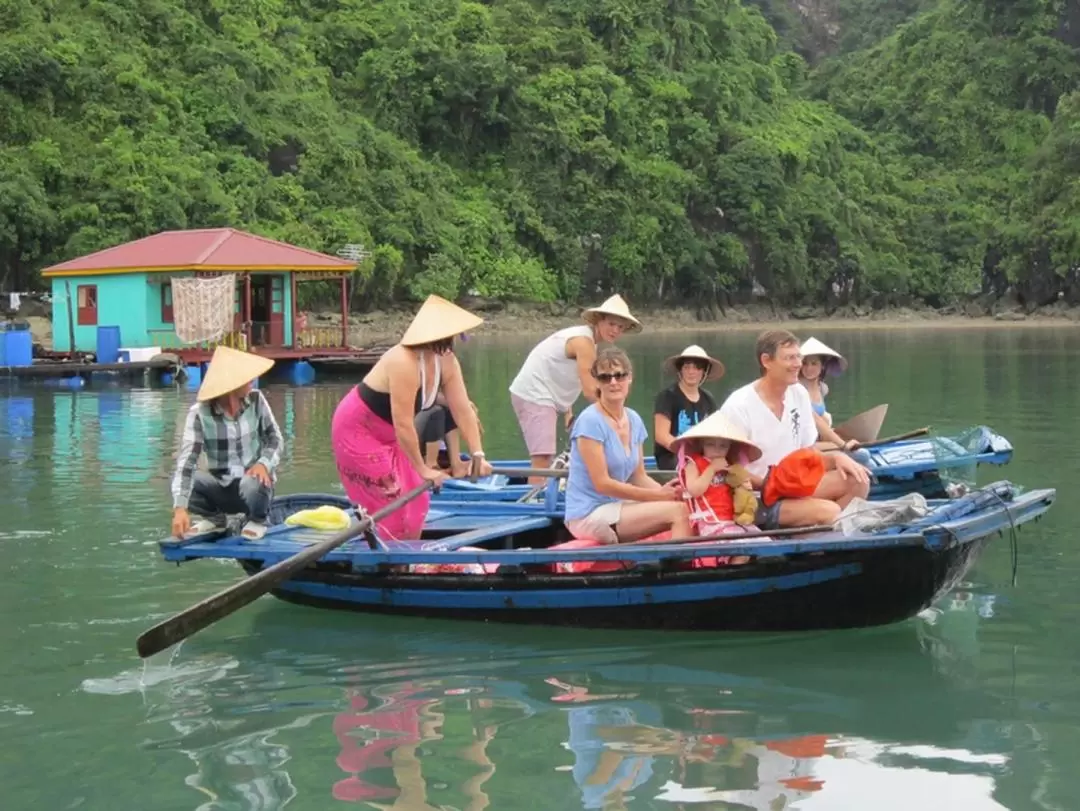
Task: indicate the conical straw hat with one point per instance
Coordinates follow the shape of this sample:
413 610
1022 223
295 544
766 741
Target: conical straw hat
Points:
614 306
815 347
717 426
695 352
864 427
230 369
437 320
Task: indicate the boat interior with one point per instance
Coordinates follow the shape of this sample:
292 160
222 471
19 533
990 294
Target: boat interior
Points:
528 533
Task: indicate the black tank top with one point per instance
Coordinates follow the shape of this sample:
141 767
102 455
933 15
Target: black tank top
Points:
379 401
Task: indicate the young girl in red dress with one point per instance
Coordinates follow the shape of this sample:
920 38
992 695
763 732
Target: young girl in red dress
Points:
706 453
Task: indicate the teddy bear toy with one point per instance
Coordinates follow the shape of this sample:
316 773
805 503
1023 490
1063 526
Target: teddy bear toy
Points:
742 495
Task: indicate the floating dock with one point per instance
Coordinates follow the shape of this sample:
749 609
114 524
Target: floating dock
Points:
66 369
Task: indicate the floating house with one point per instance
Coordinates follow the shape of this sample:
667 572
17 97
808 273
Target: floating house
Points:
129 289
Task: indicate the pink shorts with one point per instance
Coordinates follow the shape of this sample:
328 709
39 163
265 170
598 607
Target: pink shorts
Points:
538 425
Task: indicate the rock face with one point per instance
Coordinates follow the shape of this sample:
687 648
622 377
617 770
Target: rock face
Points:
821 19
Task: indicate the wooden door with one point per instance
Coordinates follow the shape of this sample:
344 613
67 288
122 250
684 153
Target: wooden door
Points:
277 310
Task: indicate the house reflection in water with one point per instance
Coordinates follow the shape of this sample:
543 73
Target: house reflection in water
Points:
75 419
131 434
17 447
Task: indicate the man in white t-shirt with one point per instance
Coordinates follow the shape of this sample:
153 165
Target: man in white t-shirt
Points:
558 370
777 416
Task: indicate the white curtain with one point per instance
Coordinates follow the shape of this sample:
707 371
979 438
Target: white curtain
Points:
203 307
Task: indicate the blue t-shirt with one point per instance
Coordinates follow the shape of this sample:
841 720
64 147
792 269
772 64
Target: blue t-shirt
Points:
581 496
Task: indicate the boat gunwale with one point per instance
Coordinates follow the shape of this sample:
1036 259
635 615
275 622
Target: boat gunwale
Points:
935 536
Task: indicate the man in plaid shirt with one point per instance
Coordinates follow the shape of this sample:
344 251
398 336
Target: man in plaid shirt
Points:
233 425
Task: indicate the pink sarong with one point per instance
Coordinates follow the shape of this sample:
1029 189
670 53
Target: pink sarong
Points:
374 469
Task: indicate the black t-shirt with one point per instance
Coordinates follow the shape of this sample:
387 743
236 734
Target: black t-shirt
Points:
673 404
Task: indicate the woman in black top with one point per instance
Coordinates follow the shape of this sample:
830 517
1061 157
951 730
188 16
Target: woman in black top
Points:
684 403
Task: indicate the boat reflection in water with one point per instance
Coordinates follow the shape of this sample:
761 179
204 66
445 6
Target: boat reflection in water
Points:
418 715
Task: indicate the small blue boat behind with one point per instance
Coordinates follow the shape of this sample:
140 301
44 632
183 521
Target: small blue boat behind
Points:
926 465
477 561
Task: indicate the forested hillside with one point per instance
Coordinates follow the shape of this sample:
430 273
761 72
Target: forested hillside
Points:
671 149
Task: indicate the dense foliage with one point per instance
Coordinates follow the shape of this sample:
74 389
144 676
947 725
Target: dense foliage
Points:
669 149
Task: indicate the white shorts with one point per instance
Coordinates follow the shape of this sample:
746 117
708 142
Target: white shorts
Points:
599 525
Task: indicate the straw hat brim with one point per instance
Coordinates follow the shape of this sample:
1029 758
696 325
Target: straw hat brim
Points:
716 368
717 426
615 307
830 357
229 370
436 320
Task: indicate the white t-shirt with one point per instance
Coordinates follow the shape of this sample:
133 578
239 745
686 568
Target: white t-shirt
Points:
776 437
548 377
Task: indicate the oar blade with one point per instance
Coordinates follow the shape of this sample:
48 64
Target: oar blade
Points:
178 628
192 620
864 427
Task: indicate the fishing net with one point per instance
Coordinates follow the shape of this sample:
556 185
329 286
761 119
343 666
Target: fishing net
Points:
203 307
958 457
861 516
945 464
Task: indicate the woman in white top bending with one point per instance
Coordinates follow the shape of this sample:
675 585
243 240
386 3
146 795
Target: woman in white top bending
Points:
558 370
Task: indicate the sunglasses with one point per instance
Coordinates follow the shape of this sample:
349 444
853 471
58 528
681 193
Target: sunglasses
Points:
607 377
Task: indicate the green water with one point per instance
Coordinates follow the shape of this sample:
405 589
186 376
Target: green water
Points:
972 706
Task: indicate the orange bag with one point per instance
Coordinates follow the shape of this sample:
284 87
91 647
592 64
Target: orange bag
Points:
797 475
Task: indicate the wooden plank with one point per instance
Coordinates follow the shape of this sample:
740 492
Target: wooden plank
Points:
65 369
486 533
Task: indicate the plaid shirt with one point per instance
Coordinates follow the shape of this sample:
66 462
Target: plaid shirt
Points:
232 444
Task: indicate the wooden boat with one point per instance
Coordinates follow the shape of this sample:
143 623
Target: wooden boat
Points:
924 465
477 561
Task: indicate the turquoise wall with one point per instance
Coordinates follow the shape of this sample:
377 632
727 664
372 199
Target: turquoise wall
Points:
121 303
132 302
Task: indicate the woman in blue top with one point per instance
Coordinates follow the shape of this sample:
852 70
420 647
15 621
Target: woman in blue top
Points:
609 497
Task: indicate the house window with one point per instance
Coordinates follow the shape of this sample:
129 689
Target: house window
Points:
87 299
166 303
277 295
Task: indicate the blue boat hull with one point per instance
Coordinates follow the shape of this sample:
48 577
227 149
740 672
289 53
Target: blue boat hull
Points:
845 591
814 582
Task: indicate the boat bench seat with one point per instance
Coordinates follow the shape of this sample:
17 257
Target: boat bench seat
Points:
494 529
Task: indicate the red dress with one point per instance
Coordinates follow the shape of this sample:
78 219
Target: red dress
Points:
716 499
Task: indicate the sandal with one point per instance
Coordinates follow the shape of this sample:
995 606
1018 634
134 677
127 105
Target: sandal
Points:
253 530
204 526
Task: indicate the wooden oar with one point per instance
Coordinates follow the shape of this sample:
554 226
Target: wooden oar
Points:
526 472
907 435
555 472
733 537
180 626
562 461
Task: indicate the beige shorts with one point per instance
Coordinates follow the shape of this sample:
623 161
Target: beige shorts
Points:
600 524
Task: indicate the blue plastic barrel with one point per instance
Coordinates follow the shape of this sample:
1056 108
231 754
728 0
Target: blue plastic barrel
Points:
108 344
301 373
16 348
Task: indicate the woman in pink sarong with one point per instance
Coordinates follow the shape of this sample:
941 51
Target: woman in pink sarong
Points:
374 437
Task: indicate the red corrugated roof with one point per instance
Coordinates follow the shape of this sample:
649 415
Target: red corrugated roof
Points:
205 248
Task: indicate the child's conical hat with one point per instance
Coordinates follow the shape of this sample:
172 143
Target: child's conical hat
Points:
717 426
